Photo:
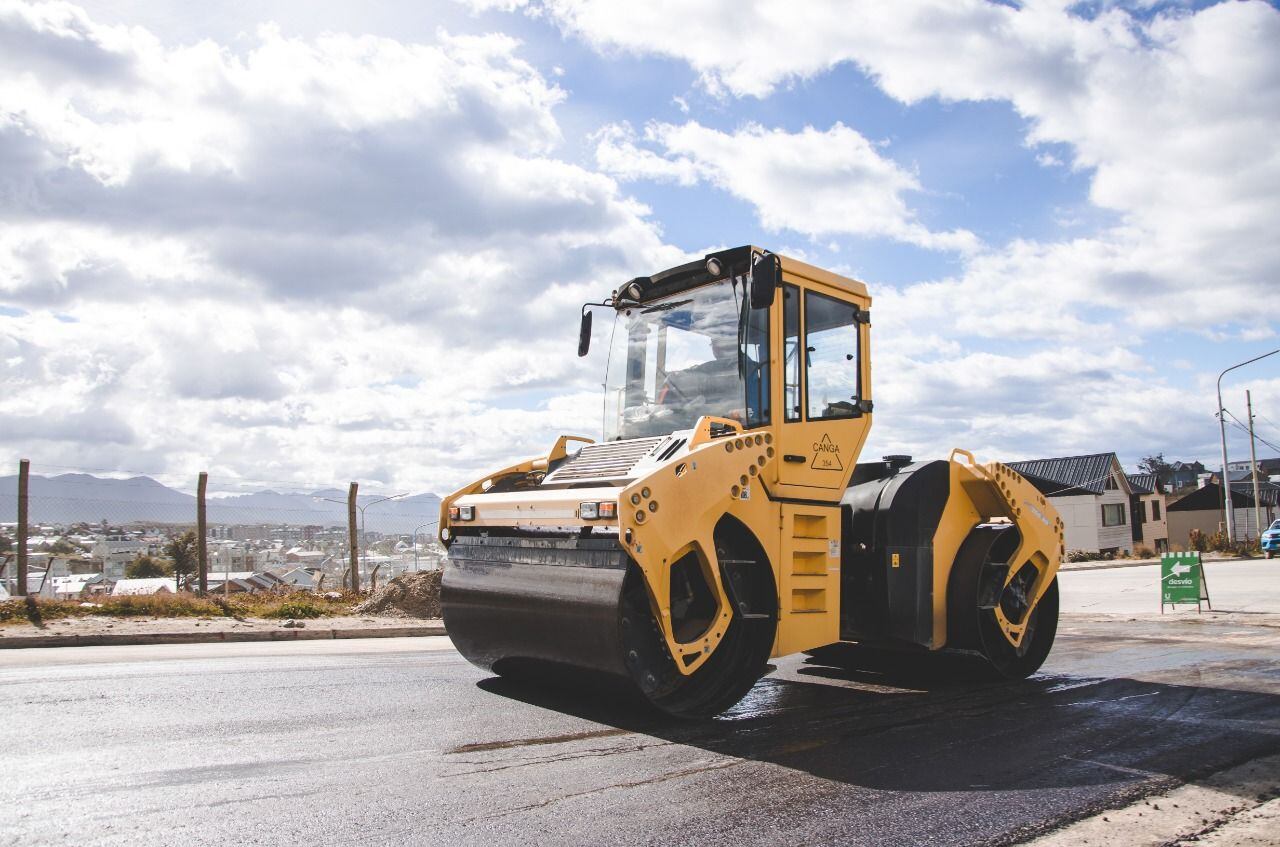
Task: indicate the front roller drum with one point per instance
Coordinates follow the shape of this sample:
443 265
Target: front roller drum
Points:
539 609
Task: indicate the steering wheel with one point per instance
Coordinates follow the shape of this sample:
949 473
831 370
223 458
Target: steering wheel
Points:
668 387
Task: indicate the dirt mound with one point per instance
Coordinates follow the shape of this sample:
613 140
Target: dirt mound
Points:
410 595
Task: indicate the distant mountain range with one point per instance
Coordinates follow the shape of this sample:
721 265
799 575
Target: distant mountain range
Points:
74 498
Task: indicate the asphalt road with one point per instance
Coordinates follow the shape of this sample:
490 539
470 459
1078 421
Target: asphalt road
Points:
399 741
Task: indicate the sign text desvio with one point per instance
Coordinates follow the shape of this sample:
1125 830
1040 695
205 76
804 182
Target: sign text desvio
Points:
1182 580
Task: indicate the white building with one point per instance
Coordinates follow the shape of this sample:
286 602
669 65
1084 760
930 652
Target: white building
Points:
157 585
115 552
1091 493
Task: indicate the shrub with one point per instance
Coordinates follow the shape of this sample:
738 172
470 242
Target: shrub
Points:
180 605
184 604
1079 556
12 610
1197 541
297 609
1144 553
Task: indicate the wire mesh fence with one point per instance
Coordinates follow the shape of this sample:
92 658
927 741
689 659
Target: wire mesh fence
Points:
72 533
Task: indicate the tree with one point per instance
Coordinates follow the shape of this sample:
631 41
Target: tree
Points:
182 551
1156 465
62 547
145 567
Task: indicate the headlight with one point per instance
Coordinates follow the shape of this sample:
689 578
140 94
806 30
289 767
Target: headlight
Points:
462 513
597 510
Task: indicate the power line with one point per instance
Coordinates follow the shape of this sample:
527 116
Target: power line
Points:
1238 424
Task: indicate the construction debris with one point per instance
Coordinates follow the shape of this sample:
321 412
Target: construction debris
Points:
410 595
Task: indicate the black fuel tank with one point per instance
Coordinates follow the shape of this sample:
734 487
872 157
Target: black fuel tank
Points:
888 519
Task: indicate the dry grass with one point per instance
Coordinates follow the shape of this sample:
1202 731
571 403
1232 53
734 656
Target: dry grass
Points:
181 605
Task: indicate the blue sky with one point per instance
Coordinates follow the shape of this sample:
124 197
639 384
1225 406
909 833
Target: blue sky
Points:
300 243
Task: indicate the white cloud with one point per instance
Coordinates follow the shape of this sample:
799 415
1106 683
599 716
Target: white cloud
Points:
254 249
812 182
317 259
1172 116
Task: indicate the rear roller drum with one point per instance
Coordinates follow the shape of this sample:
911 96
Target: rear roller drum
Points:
977 587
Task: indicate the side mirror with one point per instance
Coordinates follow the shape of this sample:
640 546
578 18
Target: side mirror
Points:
766 276
584 334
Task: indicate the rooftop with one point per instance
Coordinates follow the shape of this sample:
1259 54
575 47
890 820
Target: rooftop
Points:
1068 474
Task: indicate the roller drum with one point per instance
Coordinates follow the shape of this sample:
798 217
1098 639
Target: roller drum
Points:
512 601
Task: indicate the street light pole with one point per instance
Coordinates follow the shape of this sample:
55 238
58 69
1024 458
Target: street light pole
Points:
415 542
364 536
1222 426
360 548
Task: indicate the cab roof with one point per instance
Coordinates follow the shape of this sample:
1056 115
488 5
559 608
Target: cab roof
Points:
724 263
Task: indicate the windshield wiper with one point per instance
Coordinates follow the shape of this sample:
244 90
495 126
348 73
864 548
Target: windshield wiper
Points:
666 307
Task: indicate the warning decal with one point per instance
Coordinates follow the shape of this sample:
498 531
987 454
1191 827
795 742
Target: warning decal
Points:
826 455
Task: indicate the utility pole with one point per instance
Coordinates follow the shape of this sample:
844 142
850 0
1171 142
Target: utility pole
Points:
24 473
202 533
1253 458
1222 427
355 542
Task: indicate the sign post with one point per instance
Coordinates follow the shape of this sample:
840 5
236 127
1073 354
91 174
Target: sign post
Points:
1182 580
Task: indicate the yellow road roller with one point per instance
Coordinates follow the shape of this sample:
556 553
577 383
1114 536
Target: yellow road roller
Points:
724 519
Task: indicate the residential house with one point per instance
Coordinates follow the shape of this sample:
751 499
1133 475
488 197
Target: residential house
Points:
1147 510
248 582
1183 475
115 552
1204 509
1267 468
1091 493
134 587
301 579
76 586
299 556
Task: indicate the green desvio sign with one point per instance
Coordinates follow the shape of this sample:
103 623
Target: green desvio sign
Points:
1182 580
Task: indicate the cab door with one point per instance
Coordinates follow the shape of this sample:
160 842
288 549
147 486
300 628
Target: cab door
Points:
825 415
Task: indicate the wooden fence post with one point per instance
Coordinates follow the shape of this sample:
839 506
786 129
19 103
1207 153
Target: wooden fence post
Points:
24 471
202 533
355 539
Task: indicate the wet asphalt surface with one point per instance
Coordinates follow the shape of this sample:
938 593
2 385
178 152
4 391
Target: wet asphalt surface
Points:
399 741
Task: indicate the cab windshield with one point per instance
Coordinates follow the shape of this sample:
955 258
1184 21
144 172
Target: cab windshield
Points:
703 351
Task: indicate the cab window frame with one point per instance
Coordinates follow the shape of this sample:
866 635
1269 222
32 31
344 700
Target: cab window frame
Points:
856 324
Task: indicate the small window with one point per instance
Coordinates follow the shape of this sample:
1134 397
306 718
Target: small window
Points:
1113 514
831 357
1155 510
791 351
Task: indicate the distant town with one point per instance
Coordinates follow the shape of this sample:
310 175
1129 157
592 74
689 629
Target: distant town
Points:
82 560
264 541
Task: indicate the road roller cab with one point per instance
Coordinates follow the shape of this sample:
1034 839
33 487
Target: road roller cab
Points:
723 518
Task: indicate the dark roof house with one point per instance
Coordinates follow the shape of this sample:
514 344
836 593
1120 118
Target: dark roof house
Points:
1209 497
1092 495
1143 483
1070 474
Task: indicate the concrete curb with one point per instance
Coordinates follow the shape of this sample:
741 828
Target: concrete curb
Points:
1141 563
129 638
